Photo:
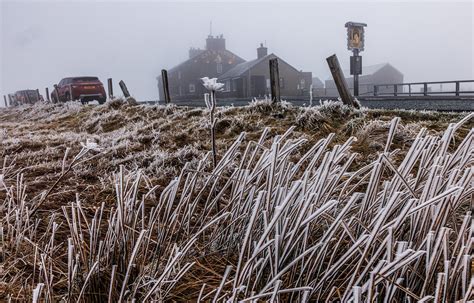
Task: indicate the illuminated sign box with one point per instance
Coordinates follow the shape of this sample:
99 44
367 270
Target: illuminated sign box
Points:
355 36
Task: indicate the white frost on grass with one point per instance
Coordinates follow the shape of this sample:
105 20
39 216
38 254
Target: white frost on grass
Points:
91 145
212 84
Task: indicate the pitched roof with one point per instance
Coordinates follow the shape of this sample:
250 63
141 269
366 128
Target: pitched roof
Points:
241 68
317 83
192 58
367 70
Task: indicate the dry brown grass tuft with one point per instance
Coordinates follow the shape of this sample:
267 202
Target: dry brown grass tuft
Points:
307 211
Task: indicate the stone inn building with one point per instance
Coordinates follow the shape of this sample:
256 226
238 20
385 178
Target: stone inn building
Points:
242 79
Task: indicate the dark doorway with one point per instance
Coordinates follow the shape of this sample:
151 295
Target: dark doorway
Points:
238 88
257 86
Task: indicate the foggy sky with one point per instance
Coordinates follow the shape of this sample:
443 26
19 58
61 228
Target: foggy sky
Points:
44 41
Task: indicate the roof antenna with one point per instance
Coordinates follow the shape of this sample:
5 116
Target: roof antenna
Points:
210 28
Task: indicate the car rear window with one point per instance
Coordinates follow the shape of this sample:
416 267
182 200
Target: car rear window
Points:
85 79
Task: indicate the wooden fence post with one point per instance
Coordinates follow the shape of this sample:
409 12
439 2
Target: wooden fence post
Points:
56 89
340 81
10 100
166 88
47 94
274 80
124 89
111 88
457 88
425 89
5 99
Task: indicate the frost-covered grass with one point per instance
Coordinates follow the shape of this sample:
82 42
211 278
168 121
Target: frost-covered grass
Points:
318 203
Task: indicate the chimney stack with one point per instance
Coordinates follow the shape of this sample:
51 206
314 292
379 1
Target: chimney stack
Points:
261 51
215 43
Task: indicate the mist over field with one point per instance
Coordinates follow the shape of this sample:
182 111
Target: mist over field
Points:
45 41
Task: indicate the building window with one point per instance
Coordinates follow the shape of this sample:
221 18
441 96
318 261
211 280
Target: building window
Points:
282 83
302 83
192 88
219 68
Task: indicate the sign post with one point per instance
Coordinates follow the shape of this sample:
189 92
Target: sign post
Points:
355 43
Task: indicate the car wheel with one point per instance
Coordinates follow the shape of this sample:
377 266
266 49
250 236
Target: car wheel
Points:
102 100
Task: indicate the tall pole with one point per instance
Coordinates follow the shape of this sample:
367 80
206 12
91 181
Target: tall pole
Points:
5 99
356 74
47 94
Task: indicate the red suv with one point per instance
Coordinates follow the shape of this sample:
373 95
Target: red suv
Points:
84 89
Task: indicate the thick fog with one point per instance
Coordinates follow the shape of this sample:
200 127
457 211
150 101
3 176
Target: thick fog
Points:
42 42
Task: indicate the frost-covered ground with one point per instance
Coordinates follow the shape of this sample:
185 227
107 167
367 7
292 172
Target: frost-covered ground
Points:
316 202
